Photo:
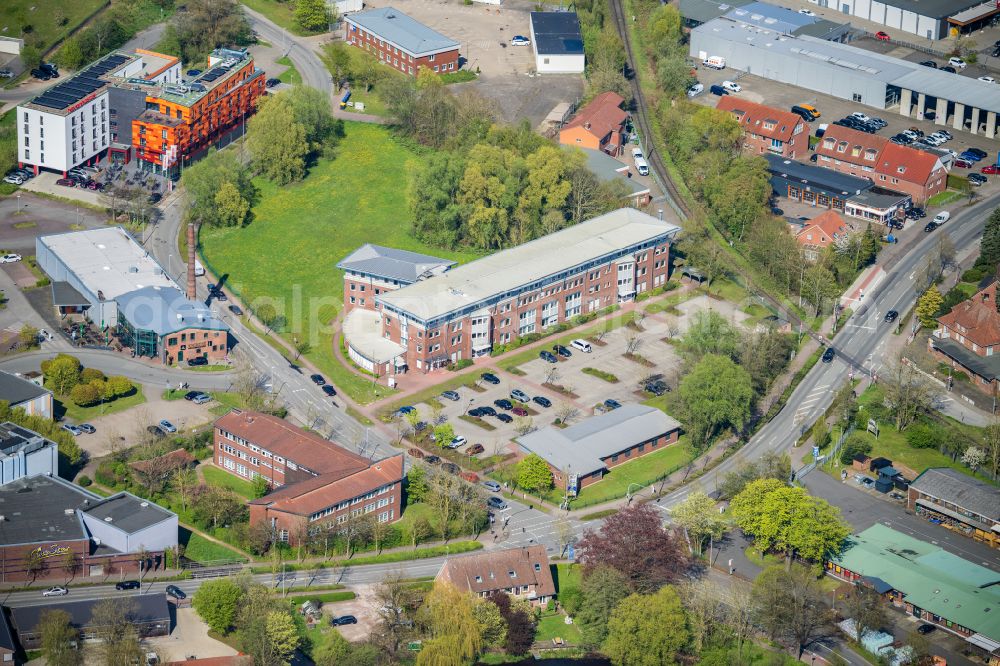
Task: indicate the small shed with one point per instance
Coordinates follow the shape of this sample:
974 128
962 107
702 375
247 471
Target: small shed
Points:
878 463
886 478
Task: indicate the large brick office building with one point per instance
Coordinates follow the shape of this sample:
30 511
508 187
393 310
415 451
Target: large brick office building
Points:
898 168
317 484
462 313
400 41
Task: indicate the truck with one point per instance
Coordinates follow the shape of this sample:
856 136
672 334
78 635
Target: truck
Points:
715 62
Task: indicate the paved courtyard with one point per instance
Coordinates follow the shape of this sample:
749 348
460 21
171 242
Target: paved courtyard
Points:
188 639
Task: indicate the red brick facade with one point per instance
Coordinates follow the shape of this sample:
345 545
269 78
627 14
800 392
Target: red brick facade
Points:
766 129
397 58
361 292
191 343
623 456
973 324
14 559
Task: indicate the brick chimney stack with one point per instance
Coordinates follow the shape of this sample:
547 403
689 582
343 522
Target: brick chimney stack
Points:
192 292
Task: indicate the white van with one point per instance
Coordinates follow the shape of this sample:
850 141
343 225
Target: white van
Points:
581 345
637 153
715 62
199 270
942 217
641 166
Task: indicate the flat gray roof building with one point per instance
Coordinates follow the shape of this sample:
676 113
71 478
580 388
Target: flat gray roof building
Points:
166 310
930 19
583 447
949 487
410 35
501 275
847 72
399 266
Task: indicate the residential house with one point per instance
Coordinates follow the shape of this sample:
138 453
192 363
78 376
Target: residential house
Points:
583 453
821 232
766 129
968 339
600 125
957 501
898 168
520 572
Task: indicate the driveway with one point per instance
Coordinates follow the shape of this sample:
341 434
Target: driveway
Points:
188 639
361 607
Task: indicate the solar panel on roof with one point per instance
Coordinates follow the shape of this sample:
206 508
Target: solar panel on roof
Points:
213 74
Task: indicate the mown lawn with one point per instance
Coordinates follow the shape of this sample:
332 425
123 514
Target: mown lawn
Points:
44 18
290 75
289 253
281 13
553 625
65 407
8 148
199 549
643 471
222 479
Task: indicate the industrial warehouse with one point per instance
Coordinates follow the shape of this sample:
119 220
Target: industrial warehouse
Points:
763 40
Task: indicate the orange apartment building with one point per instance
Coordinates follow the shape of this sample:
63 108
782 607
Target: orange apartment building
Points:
181 120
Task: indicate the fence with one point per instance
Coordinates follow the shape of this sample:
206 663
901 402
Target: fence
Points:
833 452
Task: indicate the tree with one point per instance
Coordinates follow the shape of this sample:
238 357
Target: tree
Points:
867 608
520 621
70 565
928 306
634 542
416 485
338 61
989 247
533 474
450 622
58 638
991 444
698 516
906 392
601 591
34 564
770 465
266 631
394 598
276 142
208 24
217 602
857 444
492 626
112 622
259 486
647 629
280 631
716 394
443 434
205 179
818 285
312 15
28 336
791 605
62 373
232 208
85 394
974 457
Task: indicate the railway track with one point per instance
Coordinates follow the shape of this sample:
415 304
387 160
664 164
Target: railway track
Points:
641 116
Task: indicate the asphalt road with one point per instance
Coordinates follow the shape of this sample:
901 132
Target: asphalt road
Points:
298 49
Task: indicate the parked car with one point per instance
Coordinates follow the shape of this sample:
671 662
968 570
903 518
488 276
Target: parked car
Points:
457 441
949 69
542 400
13 179
66 182
520 396
519 411
503 403
328 390
415 453
477 412
807 12
156 431
696 90
57 591
191 395
611 404
432 460
891 316
87 428
942 217
10 258
732 86
581 345
979 152
977 179
987 79
520 40
925 629
486 410
72 429
860 116
270 83
198 360
956 62
495 502
562 351
658 387
235 309
343 619
6 74
201 399
492 486
882 36
828 355
474 449
963 164
505 418
318 380
929 63
718 90
168 426
406 409
41 74
548 356
451 395
127 585
489 378
990 168
193 72
929 227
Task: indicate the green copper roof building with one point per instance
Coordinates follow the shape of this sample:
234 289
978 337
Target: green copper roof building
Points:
964 595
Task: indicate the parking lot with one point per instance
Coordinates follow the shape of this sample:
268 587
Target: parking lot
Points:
484 33
589 391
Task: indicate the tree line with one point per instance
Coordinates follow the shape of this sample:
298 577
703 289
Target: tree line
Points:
105 33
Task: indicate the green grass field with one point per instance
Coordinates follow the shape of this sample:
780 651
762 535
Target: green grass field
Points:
199 549
281 13
222 479
47 21
303 230
643 471
8 148
66 408
553 625
290 75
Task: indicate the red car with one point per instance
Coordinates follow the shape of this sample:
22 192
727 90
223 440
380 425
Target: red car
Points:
990 168
962 164
66 182
882 36
519 411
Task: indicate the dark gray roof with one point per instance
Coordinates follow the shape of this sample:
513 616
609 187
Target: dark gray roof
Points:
63 293
6 633
987 367
34 510
557 33
876 198
166 310
817 178
146 608
933 8
952 486
606 168
16 390
580 448
392 264
127 512
407 33
14 438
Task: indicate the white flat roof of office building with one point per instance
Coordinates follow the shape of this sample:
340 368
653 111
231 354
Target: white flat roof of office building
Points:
490 278
107 260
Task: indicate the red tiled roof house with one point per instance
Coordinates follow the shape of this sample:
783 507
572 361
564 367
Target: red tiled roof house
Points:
600 125
520 572
821 232
968 339
766 129
898 168
318 483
